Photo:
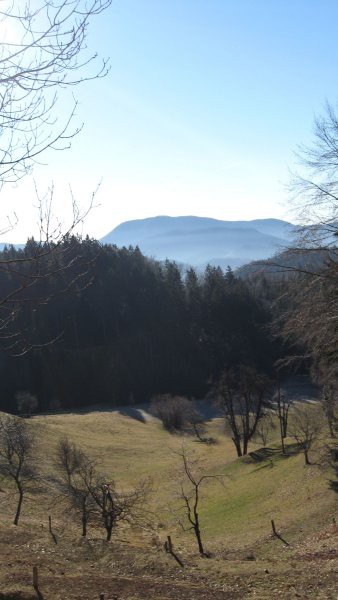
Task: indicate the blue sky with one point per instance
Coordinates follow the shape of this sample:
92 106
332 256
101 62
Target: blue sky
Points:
203 108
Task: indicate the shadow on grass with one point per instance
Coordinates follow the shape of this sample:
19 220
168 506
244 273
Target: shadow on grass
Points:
133 413
334 464
269 456
22 595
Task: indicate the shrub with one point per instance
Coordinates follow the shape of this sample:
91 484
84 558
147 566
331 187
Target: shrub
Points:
176 413
26 403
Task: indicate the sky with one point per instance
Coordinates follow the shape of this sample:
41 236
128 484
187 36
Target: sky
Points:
201 113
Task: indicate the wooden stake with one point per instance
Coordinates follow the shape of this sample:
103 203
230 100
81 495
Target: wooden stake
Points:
276 534
35 578
51 531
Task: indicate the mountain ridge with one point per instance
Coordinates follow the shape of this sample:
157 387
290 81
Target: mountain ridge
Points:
198 240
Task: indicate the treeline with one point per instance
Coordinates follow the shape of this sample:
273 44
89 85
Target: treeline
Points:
109 325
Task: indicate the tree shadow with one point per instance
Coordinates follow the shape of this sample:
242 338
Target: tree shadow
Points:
270 455
333 483
22 595
133 413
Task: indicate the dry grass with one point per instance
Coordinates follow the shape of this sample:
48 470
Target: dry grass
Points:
235 519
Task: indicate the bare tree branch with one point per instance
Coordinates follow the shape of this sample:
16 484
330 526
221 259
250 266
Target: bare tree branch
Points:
46 52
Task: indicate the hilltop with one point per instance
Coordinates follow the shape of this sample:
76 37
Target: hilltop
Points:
197 241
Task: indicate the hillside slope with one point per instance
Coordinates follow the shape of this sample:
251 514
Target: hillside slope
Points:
246 561
288 264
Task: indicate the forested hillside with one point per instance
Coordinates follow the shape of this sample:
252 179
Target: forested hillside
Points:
123 328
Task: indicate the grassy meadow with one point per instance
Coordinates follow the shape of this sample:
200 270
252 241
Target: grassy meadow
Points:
235 511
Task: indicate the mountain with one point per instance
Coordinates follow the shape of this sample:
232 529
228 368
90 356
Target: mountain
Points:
4 245
198 241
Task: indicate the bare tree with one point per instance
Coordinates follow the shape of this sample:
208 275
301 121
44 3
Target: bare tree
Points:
189 493
312 314
16 457
78 477
309 323
315 185
198 425
306 427
116 505
44 269
244 395
264 429
282 404
44 51
94 496
330 404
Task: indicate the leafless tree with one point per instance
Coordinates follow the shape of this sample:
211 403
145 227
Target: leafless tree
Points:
312 314
53 265
306 427
315 185
94 496
309 323
264 429
244 395
77 479
16 457
199 426
281 405
330 406
43 51
190 483
116 506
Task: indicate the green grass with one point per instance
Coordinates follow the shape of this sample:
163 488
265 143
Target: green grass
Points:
235 513
235 510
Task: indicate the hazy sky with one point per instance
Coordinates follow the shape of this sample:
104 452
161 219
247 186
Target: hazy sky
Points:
200 114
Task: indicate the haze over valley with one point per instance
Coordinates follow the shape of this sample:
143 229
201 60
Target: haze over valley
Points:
198 241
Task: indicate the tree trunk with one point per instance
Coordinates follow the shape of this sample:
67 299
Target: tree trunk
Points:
18 509
282 436
331 429
84 525
237 446
198 537
285 426
306 455
109 532
197 433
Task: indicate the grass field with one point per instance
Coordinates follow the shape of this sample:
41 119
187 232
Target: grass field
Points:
246 561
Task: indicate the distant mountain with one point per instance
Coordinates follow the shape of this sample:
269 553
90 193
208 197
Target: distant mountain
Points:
4 245
198 241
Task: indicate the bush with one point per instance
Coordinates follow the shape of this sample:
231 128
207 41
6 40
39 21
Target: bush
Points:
26 403
176 413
